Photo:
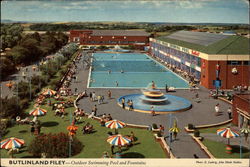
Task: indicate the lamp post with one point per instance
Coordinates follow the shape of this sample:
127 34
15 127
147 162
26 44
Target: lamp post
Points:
30 85
217 82
170 126
240 146
170 135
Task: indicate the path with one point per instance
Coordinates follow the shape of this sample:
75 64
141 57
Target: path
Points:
17 77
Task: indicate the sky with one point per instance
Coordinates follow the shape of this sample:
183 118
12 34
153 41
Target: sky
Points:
177 11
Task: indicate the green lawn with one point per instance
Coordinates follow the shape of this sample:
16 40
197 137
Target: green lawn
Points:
94 144
218 149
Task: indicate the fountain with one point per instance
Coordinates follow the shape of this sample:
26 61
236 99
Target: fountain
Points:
117 49
153 97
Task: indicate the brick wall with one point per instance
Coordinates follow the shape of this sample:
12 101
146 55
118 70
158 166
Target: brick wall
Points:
228 79
242 103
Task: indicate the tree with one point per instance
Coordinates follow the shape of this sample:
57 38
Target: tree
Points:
10 35
54 145
10 108
18 54
7 67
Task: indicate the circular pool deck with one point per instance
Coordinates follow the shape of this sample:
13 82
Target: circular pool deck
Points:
171 105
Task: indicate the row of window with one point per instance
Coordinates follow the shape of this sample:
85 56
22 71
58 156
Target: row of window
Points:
238 62
179 65
184 57
112 42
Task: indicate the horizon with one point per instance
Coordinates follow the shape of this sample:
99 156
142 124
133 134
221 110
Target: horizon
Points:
176 12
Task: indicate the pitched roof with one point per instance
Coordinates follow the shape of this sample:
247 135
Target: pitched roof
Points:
204 42
118 33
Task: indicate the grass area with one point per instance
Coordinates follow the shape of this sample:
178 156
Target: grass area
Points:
94 144
218 149
213 129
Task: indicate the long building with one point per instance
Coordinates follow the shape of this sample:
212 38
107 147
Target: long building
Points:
241 110
138 39
208 57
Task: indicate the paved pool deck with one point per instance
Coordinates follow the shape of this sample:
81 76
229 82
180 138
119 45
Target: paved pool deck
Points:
200 114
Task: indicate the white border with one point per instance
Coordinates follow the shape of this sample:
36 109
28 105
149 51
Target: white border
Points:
90 68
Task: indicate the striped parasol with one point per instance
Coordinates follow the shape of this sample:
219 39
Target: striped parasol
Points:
49 92
72 129
38 112
11 143
245 130
227 133
114 124
118 140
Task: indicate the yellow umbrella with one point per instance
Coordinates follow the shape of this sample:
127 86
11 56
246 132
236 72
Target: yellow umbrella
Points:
174 129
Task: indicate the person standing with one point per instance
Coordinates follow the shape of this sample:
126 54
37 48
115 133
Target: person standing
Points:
112 149
102 99
99 99
123 103
94 110
93 96
229 112
109 94
152 111
161 129
131 105
90 95
116 83
166 88
217 109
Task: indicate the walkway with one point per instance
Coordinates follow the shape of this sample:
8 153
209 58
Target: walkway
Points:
200 114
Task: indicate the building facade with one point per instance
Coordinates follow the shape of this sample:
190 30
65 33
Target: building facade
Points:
203 54
138 39
241 110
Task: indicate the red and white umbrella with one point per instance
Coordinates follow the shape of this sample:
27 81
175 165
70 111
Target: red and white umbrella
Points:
11 143
114 124
38 112
227 133
118 140
49 92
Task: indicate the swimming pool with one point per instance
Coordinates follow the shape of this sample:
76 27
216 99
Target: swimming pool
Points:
130 70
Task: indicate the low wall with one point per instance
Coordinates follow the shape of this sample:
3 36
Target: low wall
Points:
165 147
202 146
207 126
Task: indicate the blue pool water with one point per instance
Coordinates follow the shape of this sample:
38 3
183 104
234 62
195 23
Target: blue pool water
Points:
130 70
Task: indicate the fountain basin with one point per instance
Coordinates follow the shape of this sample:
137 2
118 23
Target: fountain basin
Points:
170 104
154 99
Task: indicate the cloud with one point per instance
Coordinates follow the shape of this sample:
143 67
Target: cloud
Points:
246 1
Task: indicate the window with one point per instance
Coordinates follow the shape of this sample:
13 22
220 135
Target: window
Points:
233 62
246 62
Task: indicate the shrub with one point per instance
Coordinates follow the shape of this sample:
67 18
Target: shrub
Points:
10 108
191 126
159 134
54 145
196 133
24 103
154 126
